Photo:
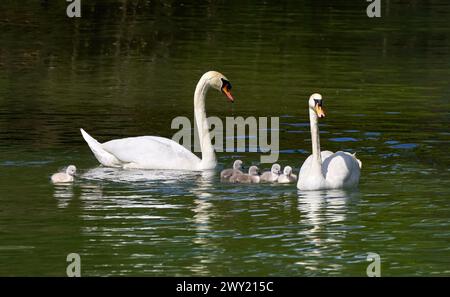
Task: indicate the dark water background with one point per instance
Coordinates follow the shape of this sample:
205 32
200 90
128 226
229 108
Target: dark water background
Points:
127 68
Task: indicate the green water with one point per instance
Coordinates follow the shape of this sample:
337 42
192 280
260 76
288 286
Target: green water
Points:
127 68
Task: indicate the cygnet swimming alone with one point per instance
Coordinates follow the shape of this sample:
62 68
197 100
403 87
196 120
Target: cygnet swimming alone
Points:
272 175
64 177
251 178
226 174
287 176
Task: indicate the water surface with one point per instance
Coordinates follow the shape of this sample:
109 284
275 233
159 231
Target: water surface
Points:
128 68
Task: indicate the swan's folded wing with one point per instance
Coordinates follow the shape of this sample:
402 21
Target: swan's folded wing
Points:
341 169
152 152
325 155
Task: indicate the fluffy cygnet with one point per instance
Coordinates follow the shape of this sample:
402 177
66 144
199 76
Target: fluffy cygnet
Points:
226 174
272 175
287 176
64 177
251 178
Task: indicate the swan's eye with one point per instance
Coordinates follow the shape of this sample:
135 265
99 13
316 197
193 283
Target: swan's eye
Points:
318 102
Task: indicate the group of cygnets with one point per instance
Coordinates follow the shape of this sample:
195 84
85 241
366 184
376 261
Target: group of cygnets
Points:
232 175
235 175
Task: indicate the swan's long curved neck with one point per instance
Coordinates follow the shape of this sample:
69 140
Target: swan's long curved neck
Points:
315 140
208 155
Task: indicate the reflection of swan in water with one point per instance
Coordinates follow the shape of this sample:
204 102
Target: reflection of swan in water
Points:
203 210
63 194
322 211
127 203
138 175
90 192
204 183
202 205
137 214
332 203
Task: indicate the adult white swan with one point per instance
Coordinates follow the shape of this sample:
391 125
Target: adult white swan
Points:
326 170
152 152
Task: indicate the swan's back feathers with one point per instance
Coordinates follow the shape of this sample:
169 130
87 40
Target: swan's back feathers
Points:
145 152
341 169
152 152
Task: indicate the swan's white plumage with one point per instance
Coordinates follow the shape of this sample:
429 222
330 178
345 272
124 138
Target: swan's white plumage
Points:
326 170
146 152
153 152
307 164
340 170
142 152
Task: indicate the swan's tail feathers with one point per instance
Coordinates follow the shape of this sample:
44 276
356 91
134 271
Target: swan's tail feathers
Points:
357 160
104 157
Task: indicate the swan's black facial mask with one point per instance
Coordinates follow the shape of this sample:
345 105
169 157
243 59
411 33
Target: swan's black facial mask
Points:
226 89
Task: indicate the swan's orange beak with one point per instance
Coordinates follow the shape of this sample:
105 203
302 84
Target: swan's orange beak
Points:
227 93
319 111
